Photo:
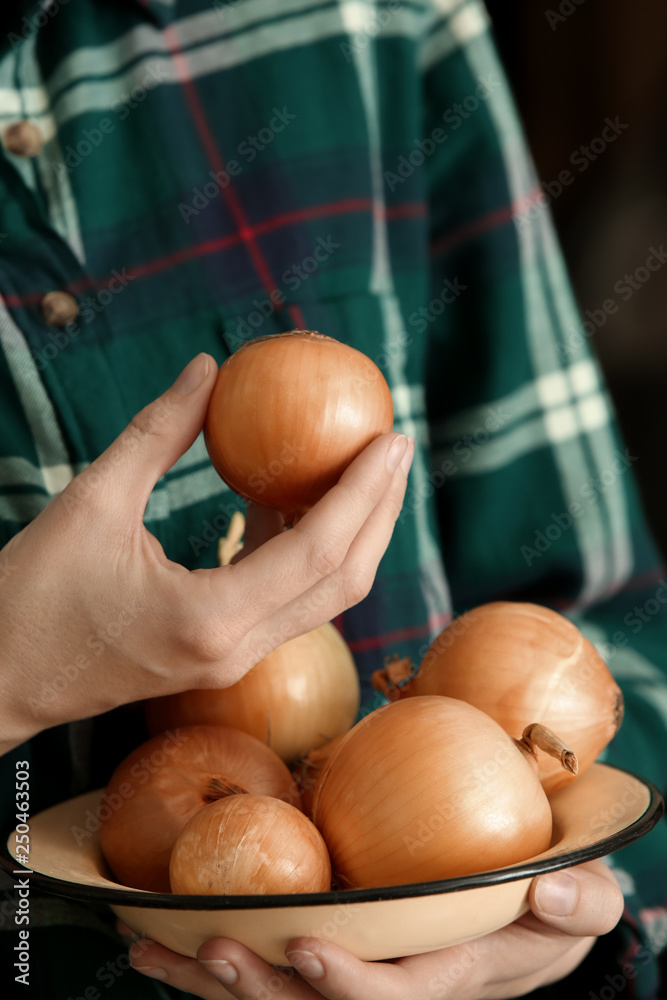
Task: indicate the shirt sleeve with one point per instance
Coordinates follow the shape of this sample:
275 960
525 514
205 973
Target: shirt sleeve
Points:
534 485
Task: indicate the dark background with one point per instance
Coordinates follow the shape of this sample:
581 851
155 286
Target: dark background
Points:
569 72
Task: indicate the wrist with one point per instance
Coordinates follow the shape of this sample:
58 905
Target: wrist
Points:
24 709
15 726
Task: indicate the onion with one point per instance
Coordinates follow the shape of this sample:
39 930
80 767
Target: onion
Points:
154 792
300 696
249 845
520 662
310 769
428 788
288 414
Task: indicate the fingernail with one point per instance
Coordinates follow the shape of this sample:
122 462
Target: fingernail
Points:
406 462
192 375
305 963
154 971
223 971
396 452
557 894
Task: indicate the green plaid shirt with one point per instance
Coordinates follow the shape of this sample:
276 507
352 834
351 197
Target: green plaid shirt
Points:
214 172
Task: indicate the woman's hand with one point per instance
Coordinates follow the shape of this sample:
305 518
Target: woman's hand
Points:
569 909
95 616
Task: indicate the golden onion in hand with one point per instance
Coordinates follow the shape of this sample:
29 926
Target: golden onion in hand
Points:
288 414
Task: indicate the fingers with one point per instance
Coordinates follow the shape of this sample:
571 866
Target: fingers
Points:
338 975
246 975
186 974
585 901
318 969
157 436
319 543
351 582
318 551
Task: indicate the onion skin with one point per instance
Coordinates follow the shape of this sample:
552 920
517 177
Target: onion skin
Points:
165 781
428 788
520 663
249 845
309 772
300 696
288 414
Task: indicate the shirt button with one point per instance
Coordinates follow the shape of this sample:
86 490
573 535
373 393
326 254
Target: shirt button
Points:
23 139
59 308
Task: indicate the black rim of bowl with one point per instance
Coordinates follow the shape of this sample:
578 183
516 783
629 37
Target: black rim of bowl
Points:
166 901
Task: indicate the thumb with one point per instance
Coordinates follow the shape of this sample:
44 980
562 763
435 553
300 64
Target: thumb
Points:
156 437
585 901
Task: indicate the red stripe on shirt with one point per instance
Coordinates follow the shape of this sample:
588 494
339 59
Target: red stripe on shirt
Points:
217 163
486 222
314 212
410 632
187 253
348 205
34 298
409 211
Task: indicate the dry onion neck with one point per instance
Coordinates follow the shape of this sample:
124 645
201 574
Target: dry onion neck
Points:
220 788
395 677
537 737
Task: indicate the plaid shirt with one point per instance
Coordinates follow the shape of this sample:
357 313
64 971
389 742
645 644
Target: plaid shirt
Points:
214 172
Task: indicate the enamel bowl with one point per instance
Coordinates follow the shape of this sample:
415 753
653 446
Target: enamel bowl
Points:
603 810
